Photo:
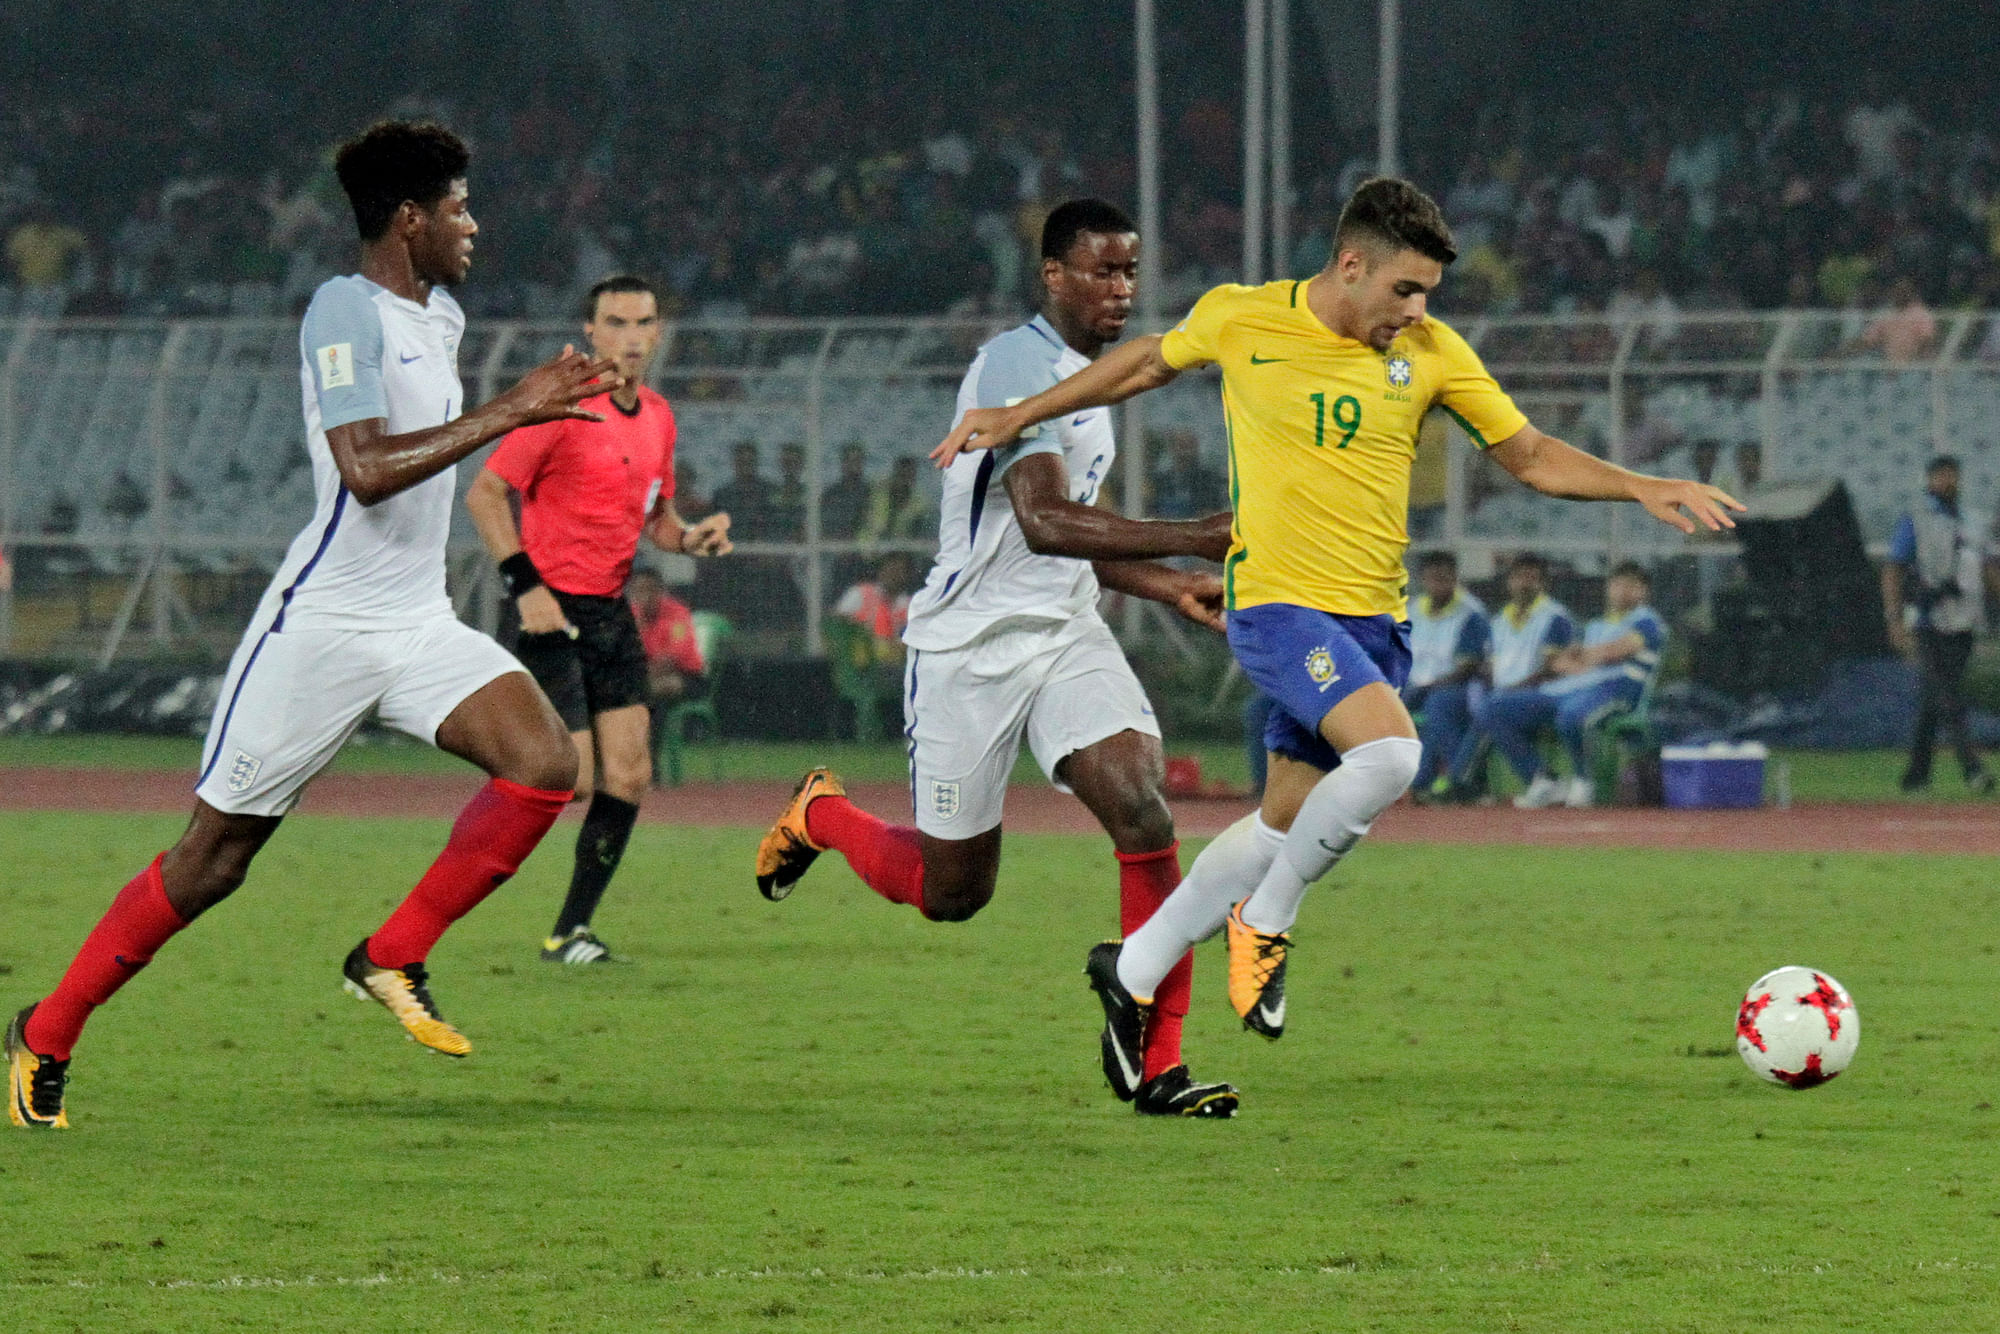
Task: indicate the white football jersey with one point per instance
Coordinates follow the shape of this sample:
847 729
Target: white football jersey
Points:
985 577
366 352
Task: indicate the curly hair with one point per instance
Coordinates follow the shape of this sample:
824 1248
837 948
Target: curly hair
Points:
397 162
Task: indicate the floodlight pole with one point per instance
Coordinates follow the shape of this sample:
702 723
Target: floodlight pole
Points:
1281 138
1153 264
1256 62
1389 27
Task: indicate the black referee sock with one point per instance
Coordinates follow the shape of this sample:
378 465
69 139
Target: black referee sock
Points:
607 825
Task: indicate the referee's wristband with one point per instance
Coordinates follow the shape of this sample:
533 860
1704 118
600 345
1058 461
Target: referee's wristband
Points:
519 574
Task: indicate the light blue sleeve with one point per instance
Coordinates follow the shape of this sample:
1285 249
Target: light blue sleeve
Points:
1650 629
341 340
1474 637
1903 546
1017 365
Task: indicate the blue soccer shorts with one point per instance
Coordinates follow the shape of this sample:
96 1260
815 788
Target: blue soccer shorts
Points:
1307 661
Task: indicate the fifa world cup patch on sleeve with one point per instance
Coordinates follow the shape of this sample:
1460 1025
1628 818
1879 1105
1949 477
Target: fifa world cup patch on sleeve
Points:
336 365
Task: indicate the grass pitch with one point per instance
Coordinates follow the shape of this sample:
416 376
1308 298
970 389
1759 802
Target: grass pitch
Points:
1509 1099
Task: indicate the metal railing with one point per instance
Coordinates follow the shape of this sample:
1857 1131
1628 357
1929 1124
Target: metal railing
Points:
152 472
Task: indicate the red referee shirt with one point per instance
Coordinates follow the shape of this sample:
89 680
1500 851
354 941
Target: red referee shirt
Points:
587 487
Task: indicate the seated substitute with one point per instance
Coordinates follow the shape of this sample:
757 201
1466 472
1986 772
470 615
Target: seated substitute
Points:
882 607
675 667
1587 682
1450 637
1524 637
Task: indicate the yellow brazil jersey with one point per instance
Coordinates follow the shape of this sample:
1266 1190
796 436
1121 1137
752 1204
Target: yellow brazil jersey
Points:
1322 434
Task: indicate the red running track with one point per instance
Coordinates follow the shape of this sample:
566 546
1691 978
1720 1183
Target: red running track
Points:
1891 828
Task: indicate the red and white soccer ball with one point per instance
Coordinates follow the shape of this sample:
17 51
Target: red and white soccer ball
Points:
1797 1027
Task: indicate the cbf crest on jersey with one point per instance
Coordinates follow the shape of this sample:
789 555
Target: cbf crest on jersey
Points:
1398 367
944 800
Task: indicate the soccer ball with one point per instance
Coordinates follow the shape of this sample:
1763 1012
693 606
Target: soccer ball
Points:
1797 1027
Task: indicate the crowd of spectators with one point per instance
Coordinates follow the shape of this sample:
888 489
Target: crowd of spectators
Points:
820 187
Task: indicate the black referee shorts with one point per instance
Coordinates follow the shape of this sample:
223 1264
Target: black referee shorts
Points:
603 668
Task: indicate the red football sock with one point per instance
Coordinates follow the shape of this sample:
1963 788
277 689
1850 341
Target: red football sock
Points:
493 835
133 928
889 858
1145 879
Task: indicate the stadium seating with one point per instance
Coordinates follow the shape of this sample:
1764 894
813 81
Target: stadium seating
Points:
89 397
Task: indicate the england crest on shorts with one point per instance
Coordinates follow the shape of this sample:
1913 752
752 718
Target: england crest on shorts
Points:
243 771
1399 371
944 800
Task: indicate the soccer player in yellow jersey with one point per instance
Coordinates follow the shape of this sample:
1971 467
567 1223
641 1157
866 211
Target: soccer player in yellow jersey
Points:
1324 385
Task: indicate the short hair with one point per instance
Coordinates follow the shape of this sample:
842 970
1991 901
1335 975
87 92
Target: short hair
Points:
1387 210
1631 569
1942 461
617 282
1528 560
1074 217
397 162
1435 558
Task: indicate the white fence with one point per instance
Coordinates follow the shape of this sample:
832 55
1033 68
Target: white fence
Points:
151 472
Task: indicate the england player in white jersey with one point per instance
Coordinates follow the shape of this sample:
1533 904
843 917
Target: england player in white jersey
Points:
1006 644
357 620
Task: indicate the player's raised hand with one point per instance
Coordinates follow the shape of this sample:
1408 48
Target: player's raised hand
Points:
1200 600
710 537
1672 501
979 428
552 390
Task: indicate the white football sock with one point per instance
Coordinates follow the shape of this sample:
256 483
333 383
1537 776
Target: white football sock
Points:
1226 870
1336 813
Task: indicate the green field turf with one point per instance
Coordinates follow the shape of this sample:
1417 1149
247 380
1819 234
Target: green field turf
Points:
1860 775
1509 1100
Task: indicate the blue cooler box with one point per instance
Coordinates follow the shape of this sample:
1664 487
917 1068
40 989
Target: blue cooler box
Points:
1719 776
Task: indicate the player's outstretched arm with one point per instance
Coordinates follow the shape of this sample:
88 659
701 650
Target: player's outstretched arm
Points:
1055 525
1128 369
1558 469
375 465
1195 594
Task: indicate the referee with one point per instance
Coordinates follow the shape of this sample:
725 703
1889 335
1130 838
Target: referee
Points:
588 490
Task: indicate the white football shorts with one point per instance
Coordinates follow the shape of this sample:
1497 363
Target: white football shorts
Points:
293 697
966 709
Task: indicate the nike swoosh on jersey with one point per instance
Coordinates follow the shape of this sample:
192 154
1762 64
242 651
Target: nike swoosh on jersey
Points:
407 360
1080 420
1256 360
1273 1017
